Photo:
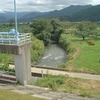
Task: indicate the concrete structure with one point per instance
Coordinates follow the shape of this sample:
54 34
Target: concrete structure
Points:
18 44
21 49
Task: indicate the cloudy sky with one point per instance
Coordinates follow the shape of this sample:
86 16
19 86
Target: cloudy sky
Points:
42 5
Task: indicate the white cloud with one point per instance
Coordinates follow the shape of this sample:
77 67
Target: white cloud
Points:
42 5
95 2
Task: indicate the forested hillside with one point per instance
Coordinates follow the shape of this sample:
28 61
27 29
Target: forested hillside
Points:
90 14
29 16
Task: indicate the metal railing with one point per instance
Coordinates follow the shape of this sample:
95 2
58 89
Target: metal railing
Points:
7 38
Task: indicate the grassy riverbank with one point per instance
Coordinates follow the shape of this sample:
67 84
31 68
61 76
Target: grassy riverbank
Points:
85 58
8 95
66 84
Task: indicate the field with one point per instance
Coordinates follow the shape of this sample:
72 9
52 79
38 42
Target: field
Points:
86 58
8 95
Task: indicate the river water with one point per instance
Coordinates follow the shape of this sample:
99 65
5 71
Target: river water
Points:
54 56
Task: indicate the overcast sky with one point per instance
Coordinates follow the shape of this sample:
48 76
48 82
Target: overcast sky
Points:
42 5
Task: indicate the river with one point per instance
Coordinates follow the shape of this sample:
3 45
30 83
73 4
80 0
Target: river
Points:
54 56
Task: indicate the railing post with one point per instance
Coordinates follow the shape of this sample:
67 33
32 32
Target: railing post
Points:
2 38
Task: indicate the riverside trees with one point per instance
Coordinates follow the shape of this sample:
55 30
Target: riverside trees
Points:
47 30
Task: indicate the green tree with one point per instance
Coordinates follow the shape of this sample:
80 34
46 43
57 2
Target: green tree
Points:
85 29
41 28
56 30
11 22
47 30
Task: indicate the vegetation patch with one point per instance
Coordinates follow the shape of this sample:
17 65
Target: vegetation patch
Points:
37 49
53 82
48 30
8 95
70 85
67 44
87 56
5 67
83 48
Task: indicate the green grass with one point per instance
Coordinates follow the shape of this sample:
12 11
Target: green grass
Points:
8 95
66 84
87 57
5 58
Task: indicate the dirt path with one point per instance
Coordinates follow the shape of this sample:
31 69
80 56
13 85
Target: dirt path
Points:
70 74
58 72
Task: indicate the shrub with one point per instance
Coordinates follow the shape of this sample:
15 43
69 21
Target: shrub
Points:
5 67
67 45
37 49
50 81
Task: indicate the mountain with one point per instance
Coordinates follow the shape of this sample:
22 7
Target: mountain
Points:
3 18
66 11
72 13
10 15
29 16
6 16
56 13
89 14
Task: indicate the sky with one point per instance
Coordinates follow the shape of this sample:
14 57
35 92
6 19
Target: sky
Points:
42 5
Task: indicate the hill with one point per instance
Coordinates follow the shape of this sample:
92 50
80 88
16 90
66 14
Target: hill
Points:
29 16
56 13
89 14
6 16
3 18
72 13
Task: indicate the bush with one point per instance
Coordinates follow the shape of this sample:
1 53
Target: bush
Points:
37 49
50 81
67 45
62 66
5 67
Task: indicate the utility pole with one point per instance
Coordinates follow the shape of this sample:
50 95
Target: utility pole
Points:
15 16
16 27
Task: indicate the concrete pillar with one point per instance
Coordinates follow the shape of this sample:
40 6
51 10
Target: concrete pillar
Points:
22 60
23 65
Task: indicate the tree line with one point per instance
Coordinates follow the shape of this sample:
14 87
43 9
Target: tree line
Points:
48 30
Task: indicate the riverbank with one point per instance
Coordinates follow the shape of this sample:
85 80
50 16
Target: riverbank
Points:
85 58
